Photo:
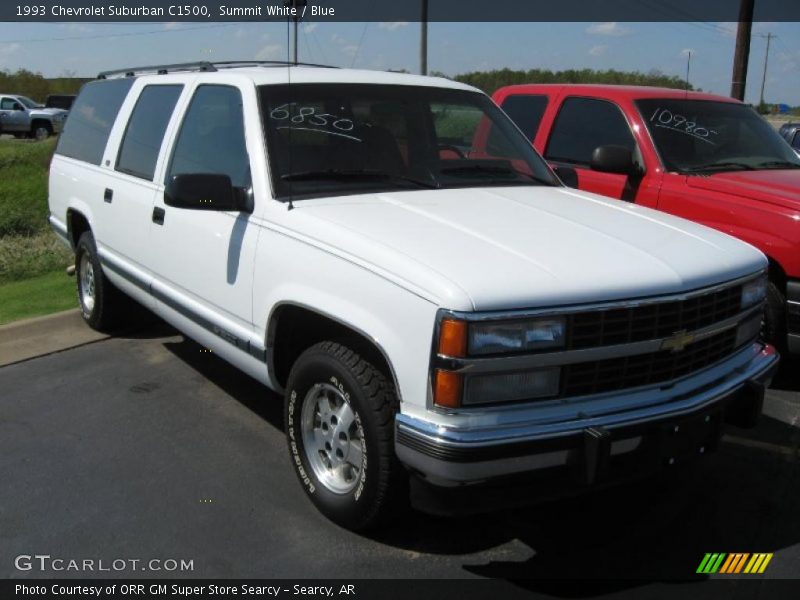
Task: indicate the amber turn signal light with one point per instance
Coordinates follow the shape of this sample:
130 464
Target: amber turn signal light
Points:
447 389
453 338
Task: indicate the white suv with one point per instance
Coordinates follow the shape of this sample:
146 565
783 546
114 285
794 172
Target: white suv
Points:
390 253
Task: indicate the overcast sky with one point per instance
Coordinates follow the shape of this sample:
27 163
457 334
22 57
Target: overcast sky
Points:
85 49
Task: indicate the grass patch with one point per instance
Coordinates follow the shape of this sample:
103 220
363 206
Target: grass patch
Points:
22 257
37 296
23 185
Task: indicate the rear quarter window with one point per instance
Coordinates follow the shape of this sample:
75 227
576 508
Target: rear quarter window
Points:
90 121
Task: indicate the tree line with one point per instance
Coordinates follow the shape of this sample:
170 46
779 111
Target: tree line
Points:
35 86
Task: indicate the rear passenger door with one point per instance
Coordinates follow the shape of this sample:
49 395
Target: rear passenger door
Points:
129 192
203 259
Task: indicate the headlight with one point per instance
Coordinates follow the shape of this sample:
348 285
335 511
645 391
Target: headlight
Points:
754 291
516 336
509 387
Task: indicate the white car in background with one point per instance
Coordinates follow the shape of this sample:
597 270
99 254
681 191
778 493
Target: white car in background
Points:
23 117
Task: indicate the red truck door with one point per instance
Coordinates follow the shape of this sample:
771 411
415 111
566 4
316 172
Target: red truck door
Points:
582 125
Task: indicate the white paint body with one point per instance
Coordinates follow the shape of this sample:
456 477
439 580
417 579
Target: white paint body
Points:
381 263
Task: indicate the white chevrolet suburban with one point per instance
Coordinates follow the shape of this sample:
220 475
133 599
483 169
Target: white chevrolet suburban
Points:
390 253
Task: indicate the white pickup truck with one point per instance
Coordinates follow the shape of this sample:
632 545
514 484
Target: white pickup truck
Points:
389 253
22 117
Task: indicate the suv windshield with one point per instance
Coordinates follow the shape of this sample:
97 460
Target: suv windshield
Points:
702 136
337 139
27 102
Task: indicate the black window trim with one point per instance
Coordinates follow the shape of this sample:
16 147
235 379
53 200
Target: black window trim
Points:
174 140
636 150
131 172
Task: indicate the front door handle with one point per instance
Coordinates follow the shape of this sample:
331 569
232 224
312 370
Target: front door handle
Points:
158 215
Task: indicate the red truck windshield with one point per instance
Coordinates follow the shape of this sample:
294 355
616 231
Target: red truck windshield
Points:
328 139
694 136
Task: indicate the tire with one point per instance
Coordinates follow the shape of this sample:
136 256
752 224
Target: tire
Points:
99 301
350 473
775 317
41 130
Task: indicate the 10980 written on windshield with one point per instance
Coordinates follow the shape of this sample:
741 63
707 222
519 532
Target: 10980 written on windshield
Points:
667 119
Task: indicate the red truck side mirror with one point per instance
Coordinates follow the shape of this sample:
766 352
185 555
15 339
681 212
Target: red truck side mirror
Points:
614 159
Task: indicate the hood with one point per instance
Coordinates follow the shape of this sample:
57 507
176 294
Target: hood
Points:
523 247
776 186
41 110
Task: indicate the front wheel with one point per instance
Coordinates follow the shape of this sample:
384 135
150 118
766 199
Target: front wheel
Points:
339 415
775 317
99 300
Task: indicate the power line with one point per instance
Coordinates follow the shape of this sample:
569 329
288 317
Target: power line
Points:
114 35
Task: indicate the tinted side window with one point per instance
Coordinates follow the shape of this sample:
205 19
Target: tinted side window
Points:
145 131
796 141
89 123
9 104
211 139
526 112
582 125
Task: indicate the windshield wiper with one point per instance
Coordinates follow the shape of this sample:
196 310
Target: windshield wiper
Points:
493 170
726 165
345 174
778 164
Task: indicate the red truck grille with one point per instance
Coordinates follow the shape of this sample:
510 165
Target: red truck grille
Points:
651 321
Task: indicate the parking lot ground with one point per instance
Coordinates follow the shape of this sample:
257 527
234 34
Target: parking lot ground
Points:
147 446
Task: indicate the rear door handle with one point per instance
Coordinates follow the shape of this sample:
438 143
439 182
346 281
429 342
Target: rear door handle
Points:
158 215
108 195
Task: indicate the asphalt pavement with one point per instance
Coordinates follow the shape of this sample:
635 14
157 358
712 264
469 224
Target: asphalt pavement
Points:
149 447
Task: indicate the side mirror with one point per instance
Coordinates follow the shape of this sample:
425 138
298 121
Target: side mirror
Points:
567 175
614 159
205 191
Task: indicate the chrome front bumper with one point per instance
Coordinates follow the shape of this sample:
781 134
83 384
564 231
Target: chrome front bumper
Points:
731 391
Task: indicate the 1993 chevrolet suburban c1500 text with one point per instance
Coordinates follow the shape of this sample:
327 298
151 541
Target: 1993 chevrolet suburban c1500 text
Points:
435 310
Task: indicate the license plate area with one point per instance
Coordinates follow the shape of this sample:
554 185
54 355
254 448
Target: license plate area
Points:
690 437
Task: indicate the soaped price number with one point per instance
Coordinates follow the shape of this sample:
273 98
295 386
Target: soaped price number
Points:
309 115
666 118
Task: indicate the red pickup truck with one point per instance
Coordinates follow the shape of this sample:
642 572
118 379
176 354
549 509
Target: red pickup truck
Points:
706 158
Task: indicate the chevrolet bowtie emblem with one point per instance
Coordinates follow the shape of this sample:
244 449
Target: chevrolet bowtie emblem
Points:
678 341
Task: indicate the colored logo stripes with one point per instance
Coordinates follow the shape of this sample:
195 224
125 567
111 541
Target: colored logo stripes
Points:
736 562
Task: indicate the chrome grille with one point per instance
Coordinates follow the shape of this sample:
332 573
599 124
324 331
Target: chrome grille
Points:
651 321
645 369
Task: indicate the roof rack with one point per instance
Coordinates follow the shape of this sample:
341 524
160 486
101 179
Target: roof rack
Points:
204 66
159 69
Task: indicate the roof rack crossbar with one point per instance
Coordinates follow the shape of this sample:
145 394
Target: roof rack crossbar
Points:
229 64
160 69
205 66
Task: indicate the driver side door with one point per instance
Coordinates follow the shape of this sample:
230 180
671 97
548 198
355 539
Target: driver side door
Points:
14 116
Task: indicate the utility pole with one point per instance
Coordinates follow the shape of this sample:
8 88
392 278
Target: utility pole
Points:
742 53
769 37
423 39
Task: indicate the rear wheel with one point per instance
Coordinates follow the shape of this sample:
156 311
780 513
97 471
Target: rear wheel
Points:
99 300
339 415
